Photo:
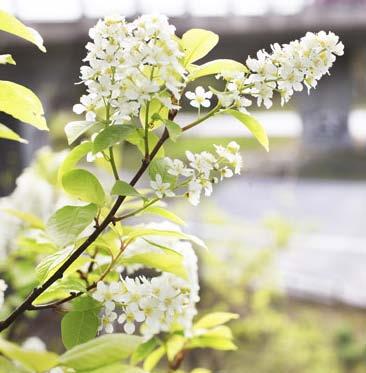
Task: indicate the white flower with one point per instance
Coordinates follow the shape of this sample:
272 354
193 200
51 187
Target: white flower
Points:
199 97
3 287
176 167
107 321
128 318
161 189
109 294
194 192
34 344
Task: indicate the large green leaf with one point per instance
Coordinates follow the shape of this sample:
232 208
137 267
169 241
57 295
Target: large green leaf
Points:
215 67
21 103
167 261
38 361
117 368
7 58
79 327
74 130
68 222
214 319
10 24
253 126
84 185
111 136
121 188
74 157
197 43
7 133
99 352
161 211
214 342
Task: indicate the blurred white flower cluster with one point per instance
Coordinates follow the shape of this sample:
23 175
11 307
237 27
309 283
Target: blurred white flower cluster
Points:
159 303
3 287
129 64
204 170
285 70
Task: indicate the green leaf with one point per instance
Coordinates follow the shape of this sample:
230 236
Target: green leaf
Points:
137 138
68 222
10 24
7 133
74 157
6 366
215 67
111 136
101 351
253 126
21 103
143 232
217 343
117 368
29 219
144 350
197 43
214 319
167 261
157 114
156 210
174 345
84 185
121 188
174 129
7 58
85 303
74 130
153 359
160 166
201 370
38 361
79 327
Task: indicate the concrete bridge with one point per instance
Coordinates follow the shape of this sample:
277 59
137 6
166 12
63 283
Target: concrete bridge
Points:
324 113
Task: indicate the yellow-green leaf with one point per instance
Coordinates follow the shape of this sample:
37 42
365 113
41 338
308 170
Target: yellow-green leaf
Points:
253 126
197 43
21 103
7 133
153 359
26 217
7 58
214 319
161 211
10 24
74 130
215 67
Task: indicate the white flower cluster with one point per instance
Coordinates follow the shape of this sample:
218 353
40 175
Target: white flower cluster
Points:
285 70
130 64
3 287
204 170
157 303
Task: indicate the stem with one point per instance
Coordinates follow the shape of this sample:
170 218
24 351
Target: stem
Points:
135 212
113 163
36 292
146 138
201 119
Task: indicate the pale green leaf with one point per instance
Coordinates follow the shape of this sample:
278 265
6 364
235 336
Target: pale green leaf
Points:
7 133
153 359
78 327
10 24
21 103
216 343
121 188
174 129
7 58
111 136
201 370
85 303
84 185
215 67
68 222
137 138
101 351
38 361
214 319
144 350
28 218
253 126
161 211
117 368
174 345
74 130
6 366
167 261
197 43
76 154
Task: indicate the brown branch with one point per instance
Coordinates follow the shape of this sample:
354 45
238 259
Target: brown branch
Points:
36 292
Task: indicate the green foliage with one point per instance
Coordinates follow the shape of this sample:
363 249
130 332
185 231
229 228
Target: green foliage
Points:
68 222
197 43
253 126
99 352
79 327
83 185
26 217
215 319
174 130
110 136
7 133
160 211
144 350
74 130
7 58
122 188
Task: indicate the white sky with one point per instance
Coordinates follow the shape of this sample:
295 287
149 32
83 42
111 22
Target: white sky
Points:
69 10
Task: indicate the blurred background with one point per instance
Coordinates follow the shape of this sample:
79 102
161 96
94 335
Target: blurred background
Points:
288 237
